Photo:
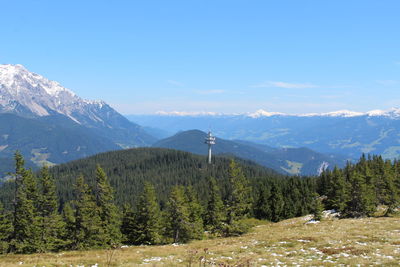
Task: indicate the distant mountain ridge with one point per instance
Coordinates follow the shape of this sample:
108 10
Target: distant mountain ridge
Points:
31 95
344 133
51 124
393 113
298 161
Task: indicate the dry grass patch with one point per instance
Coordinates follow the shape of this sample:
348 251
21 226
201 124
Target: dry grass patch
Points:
369 241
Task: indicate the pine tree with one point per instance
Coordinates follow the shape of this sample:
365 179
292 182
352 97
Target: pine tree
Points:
215 213
128 225
69 234
195 214
337 194
262 208
317 208
277 203
51 225
361 198
108 211
391 198
239 200
179 226
25 238
146 226
89 231
6 229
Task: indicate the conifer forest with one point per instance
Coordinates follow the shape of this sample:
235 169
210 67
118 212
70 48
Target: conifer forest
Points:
159 196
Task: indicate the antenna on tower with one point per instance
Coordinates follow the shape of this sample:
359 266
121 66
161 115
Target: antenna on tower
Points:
210 140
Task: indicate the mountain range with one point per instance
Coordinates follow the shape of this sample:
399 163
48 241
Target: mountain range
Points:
51 124
344 133
293 161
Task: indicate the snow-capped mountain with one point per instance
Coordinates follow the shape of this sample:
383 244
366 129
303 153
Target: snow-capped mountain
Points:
342 132
29 94
392 113
55 111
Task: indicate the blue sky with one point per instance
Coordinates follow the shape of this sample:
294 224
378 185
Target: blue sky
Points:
221 56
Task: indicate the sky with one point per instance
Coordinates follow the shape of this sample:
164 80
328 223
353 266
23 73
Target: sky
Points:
141 57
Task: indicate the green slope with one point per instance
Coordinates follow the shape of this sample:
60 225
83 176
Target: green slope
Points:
128 169
47 140
297 161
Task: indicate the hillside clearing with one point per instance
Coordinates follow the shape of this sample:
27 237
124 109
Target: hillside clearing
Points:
291 242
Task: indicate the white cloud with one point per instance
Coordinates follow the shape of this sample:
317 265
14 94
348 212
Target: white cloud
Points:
271 84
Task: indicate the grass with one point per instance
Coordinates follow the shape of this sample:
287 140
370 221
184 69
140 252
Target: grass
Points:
368 241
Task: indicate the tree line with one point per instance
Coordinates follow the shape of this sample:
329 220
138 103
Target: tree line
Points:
359 189
37 217
36 222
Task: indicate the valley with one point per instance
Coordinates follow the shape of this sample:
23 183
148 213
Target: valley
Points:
199 133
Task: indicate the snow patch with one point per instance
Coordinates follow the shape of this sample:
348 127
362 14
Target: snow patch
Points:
262 113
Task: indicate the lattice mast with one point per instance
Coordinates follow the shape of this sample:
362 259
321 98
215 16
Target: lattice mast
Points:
210 140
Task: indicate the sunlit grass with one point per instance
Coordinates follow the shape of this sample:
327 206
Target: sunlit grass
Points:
290 242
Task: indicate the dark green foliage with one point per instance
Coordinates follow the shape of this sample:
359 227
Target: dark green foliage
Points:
128 225
143 226
193 141
239 201
215 214
25 237
195 214
358 189
50 223
89 231
91 218
128 170
277 203
317 208
262 209
68 236
108 212
179 226
336 189
361 197
6 229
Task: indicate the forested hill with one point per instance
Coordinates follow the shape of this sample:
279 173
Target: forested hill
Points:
293 161
164 168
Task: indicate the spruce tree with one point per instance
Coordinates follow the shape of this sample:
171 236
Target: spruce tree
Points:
69 234
361 198
128 225
178 225
25 236
6 229
337 192
89 230
262 208
108 211
239 200
317 207
391 198
195 214
215 212
51 225
146 226
277 202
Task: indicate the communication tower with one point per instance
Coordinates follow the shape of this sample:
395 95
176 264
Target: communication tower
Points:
210 140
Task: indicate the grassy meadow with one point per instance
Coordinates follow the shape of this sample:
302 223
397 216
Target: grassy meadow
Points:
293 242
